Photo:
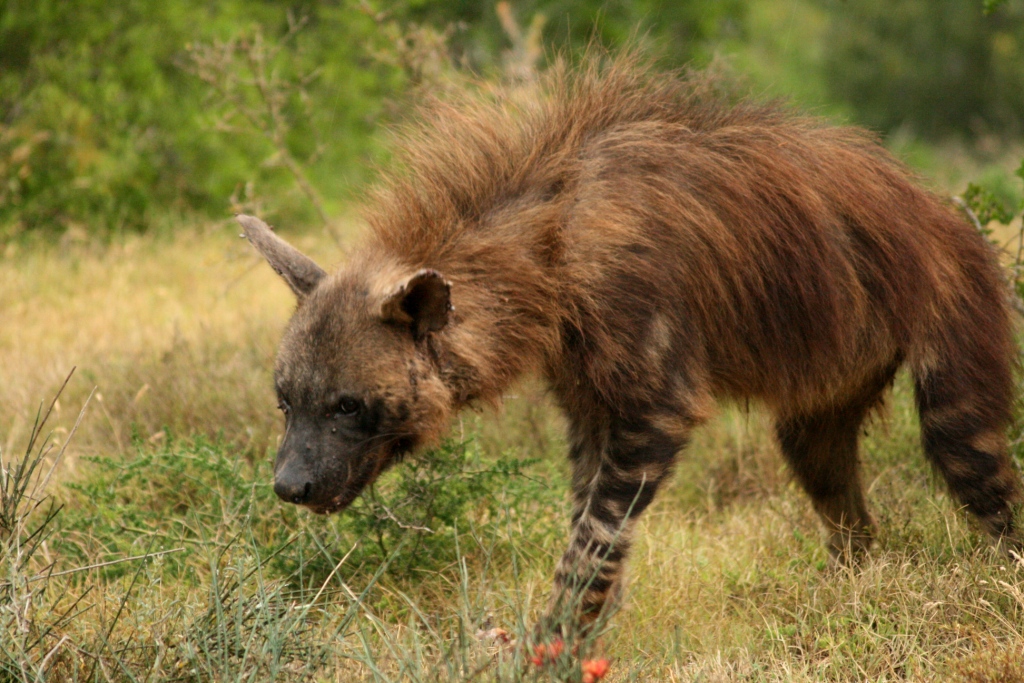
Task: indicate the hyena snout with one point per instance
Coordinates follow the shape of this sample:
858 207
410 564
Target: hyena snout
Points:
311 470
323 484
293 482
323 469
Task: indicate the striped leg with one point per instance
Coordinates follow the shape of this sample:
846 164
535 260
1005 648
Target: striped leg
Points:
616 472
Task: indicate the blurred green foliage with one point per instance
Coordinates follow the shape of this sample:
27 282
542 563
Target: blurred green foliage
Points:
124 114
938 66
680 31
105 125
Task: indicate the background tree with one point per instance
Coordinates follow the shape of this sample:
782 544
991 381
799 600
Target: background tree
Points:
937 66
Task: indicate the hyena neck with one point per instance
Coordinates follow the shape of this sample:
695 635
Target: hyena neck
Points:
505 324
505 316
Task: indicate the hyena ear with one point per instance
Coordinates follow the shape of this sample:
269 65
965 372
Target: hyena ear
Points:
297 269
422 302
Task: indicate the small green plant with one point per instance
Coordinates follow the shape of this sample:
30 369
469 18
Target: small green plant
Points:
987 207
983 206
247 588
178 495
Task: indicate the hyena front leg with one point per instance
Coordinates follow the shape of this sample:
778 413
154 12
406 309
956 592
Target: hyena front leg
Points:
616 470
821 448
822 451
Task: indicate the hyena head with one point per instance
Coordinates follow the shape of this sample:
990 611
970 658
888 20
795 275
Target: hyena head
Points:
353 374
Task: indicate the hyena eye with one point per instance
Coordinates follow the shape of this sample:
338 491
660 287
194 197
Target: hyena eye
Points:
283 406
347 406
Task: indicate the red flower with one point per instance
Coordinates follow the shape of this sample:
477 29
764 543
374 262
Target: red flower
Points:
547 653
595 669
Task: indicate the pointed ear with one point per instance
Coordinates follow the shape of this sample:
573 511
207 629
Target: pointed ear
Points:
298 270
421 302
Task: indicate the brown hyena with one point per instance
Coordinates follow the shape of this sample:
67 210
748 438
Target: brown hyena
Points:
649 246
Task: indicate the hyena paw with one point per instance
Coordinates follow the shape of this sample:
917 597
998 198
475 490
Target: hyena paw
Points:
848 549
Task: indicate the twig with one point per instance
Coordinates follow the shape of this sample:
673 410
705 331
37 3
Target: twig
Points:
331 575
37 428
51 653
271 92
218 65
42 484
401 524
959 201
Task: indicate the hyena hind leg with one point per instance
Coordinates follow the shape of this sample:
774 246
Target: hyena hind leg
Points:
963 432
821 449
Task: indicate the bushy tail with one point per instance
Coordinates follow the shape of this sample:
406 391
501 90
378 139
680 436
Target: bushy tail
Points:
965 400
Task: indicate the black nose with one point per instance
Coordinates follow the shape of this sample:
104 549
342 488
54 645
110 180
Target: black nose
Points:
292 489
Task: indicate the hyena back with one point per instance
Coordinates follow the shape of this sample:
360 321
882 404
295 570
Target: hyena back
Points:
650 247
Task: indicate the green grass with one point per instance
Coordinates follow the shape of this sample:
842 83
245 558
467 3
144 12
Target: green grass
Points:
168 558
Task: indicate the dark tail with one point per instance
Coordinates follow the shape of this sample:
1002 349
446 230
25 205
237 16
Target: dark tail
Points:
965 399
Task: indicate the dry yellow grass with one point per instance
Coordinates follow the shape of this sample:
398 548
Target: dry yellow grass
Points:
172 332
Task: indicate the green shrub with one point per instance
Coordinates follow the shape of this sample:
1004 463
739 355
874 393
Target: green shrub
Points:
188 494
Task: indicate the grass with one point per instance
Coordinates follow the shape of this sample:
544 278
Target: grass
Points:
157 552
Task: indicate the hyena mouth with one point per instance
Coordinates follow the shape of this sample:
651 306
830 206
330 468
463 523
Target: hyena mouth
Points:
337 505
354 486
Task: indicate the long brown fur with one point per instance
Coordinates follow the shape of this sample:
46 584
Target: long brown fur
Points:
650 246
